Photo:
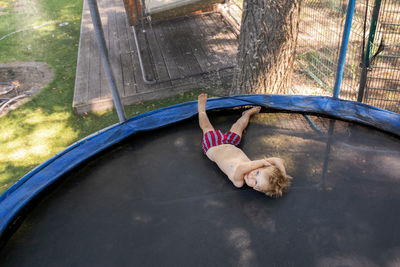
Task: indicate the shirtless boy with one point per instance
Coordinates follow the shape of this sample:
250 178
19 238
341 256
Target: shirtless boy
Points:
266 175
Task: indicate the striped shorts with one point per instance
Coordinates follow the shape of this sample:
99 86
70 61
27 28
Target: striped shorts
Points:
216 138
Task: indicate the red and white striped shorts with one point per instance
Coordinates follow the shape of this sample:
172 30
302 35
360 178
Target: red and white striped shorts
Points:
216 138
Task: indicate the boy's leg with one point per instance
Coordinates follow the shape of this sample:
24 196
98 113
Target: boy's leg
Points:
204 122
243 121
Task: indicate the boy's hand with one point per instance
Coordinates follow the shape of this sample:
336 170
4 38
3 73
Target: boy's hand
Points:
267 163
277 162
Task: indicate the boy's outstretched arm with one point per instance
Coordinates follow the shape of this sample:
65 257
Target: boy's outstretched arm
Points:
246 167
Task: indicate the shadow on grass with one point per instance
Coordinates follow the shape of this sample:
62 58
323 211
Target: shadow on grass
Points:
35 133
10 172
47 124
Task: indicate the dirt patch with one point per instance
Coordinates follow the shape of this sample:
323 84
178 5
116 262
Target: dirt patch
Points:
303 84
19 81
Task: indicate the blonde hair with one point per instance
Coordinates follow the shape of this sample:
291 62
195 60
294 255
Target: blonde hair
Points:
278 181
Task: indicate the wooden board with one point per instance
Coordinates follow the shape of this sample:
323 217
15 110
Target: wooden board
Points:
179 47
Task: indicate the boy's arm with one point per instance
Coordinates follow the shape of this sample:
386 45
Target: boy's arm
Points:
247 167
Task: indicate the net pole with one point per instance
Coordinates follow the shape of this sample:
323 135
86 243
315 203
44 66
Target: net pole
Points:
343 48
95 14
372 30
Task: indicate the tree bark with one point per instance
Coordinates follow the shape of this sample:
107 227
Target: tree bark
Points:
267 44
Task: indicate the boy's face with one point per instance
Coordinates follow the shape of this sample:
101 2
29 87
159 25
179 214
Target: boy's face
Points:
258 179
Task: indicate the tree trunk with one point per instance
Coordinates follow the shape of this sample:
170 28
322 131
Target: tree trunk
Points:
267 44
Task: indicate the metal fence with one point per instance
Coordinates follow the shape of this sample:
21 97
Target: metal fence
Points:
372 69
383 79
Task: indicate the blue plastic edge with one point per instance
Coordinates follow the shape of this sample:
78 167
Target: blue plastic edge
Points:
34 182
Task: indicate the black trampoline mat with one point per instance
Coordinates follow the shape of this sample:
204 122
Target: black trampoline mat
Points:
156 200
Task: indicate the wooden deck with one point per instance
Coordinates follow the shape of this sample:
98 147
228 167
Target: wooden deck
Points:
178 48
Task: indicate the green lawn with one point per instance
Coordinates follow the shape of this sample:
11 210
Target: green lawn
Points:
46 125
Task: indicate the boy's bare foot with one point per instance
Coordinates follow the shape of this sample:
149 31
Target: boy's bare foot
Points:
202 100
252 111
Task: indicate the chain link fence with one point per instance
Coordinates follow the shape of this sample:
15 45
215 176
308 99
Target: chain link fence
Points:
372 69
383 77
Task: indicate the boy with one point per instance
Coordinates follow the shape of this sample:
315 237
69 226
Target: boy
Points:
267 175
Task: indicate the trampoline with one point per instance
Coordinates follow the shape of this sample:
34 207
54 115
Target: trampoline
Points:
141 193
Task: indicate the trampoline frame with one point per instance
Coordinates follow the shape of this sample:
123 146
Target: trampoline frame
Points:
36 181
17 197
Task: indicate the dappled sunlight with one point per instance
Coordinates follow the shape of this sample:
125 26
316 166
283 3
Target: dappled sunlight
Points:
346 260
18 154
39 117
8 172
35 118
29 11
240 240
45 132
371 164
6 133
393 257
44 126
64 13
35 19
286 145
179 142
284 142
213 203
389 163
44 136
25 6
142 218
261 217
12 146
39 149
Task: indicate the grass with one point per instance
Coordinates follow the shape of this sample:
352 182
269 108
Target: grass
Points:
47 124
